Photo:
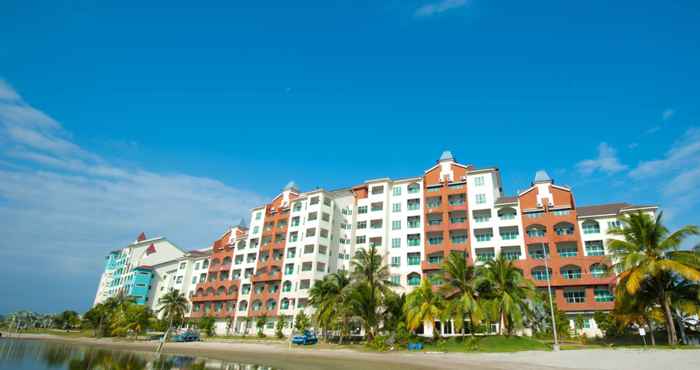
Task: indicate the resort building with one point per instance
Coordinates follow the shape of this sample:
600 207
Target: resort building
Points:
266 268
129 270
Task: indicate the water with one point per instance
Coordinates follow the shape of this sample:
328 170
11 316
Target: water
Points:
38 355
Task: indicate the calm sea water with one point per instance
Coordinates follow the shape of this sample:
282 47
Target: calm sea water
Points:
39 355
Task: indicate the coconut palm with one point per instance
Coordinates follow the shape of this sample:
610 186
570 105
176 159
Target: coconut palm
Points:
371 278
132 319
461 291
646 251
423 304
330 298
507 293
173 306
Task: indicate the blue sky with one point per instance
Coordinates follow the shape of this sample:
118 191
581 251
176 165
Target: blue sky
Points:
175 119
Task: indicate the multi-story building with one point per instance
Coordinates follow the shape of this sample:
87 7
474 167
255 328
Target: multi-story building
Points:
267 268
181 274
129 270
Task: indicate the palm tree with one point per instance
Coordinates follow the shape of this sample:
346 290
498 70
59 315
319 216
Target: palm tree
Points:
133 318
330 298
507 293
646 251
173 306
371 272
423 304
461 291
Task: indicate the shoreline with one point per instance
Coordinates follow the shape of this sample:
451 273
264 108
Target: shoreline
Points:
280 355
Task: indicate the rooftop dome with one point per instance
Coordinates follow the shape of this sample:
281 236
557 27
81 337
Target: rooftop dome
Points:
542 176
446 156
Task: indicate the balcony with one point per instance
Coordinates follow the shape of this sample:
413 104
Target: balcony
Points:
431 227
427 266
265 277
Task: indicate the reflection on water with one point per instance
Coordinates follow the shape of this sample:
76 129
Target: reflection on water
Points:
33 354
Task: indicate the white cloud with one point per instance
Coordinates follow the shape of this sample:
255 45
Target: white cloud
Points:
64 207
438 7
607 162
684 152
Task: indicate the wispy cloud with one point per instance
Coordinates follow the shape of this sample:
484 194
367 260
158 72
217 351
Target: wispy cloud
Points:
606 162
438 7
64 207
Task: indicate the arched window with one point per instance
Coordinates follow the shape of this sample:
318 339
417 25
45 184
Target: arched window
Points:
287 286
598 270
210 291
536 231
413 279
271 304
285 304
571 272
413 188
539 273
218 306
507 213
591 227
200 292
221 291
205 264
227 260
564 228
215 262
243 306
232 290
257 305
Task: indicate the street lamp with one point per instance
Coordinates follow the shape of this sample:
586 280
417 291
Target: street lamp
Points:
555 347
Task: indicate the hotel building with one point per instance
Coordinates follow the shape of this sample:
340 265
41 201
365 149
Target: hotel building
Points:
268 267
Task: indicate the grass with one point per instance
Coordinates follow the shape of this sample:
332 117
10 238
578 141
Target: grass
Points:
488 344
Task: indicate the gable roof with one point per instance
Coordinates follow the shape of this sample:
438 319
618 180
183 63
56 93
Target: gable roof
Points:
610 209
506 200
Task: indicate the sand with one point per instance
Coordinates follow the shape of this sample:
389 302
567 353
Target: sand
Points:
281 356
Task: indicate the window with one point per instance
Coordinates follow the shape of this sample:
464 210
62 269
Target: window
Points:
396 243
287 286
258 215
182 265
296 207
396 225
307 266
378 189
413 259
509 233
325 216
396 279
361 224
614 224
362 209
377 206
564 229
598 270
309 248
413 240
179 280
413 188
259 289
376 224
575 296
322 249
480 198
534 214
479 181
435 259
537 251
536 231
312 216
327 202
293 236
571 272
483 235
458 238
433 202
196 266
320 267
413 279
561 212
395 261
311 232
506 214
256 229
313 200
602 294
595 248
482 216
435 239
396 190
413 204
484 255
413 222
377 241
510 253
291 252
591 227
456 200
456 186
285 304
324 233
396 207
539 273
360 239
289 269
567 250
304 284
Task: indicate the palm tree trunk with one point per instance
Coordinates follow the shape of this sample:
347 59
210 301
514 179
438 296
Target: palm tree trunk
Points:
651 333
670 326
502 323
684 336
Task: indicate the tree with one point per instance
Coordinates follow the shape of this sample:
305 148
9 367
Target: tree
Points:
330 298
461 291
371 279
279 326
507 293
606 323
301 322
96 317
646 251
66 320
133 318
207 325
423 304
260 324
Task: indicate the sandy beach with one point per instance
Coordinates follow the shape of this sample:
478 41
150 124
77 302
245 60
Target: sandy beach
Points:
280 355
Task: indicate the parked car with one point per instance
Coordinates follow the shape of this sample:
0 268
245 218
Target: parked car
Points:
307 338
188 336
